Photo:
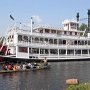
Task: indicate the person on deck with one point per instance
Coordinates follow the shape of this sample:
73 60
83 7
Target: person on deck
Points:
45 61
15 68
9 67
24 66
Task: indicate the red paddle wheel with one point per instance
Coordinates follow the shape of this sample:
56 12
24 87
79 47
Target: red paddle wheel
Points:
3 51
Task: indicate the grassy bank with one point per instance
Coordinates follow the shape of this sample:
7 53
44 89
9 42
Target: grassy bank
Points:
82 86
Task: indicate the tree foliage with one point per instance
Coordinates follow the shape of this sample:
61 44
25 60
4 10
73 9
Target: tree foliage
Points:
82 86
82 27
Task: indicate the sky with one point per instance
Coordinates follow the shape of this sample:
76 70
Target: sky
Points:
49 12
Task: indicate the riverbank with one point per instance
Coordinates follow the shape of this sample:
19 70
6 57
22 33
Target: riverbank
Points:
82 86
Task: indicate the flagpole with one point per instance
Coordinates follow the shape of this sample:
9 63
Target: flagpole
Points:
31 25
20 26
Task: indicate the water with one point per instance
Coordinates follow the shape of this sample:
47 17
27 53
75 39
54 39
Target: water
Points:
50 79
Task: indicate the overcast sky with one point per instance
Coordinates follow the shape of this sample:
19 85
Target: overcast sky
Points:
49 12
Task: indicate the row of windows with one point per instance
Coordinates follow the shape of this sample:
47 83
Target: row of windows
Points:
52 51
70 33
58 32
48 31
71 24
55 51
56 41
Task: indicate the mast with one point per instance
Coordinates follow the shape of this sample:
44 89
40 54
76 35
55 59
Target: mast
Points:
31 24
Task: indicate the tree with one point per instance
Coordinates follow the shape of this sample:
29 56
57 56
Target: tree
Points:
83 27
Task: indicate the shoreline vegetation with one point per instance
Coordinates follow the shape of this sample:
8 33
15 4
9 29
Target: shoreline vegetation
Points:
81 86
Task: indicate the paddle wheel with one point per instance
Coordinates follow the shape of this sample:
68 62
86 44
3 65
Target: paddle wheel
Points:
3 50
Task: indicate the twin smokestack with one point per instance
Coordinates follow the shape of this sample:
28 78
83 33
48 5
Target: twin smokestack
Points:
77 16
89 20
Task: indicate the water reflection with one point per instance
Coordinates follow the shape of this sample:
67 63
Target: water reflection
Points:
51 79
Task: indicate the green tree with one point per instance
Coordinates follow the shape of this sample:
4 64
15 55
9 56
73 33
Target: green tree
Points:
82 27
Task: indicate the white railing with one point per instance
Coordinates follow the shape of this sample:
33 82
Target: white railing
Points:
55 56
42 44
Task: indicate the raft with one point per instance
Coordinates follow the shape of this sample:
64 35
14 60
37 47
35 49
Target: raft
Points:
21 70
11 71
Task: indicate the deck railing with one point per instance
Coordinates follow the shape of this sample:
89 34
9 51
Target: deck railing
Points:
55 56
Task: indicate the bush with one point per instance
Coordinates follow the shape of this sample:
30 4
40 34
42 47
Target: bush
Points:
85 86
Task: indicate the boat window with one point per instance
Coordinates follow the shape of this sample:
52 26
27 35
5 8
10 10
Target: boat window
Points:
47 30
85 42
51 41
29 39
19 37
41 51
41 31
70 51
60 41
59 32
23 49
46 51
53 31
12 36
79 42
30 50
62 51
53 51
70 33
25 38
88 42
35 50
64 41
46 39
75 42
55 41
65 32
36 40
77 51
41 39
82 42
89 51
75 33
85 51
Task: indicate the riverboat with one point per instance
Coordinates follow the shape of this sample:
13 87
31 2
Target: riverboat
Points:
38 42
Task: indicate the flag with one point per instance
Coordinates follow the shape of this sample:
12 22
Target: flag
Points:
11 17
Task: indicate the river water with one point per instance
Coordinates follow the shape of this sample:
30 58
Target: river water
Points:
50 79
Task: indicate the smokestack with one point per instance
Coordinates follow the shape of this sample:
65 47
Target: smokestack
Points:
77 16
89 20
